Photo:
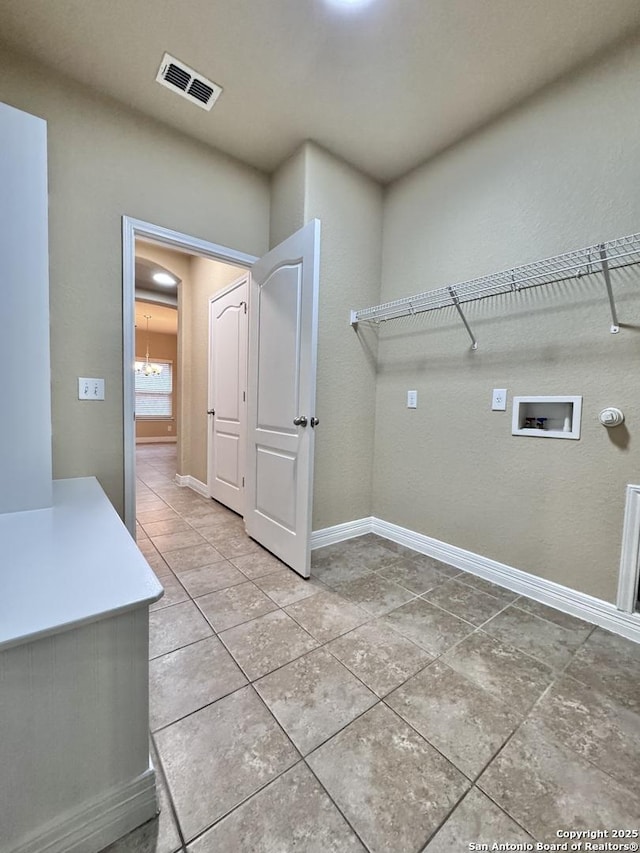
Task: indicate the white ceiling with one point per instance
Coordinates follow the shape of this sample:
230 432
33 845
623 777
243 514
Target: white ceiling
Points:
385 86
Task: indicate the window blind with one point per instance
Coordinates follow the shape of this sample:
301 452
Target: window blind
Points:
154 394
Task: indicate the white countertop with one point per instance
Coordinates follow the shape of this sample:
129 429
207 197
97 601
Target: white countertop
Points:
72 563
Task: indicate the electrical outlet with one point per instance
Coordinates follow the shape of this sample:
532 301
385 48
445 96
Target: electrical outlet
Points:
499 400
90 389
169 428
412 399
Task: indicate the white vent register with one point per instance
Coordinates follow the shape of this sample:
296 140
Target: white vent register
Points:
184 81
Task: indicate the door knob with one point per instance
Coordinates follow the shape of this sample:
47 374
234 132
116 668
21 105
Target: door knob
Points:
315 421
300 420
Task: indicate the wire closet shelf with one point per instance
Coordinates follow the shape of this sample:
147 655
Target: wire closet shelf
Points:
599 258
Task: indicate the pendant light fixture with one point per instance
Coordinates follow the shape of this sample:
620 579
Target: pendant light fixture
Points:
146 368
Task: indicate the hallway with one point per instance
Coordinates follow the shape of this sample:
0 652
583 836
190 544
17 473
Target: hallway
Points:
390 703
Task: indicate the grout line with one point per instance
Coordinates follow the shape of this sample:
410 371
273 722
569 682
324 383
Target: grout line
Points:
172 805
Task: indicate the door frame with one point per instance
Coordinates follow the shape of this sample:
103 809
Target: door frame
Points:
131 229
243 279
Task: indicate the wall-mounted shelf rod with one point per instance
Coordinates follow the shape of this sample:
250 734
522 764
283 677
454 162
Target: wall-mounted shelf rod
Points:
600 258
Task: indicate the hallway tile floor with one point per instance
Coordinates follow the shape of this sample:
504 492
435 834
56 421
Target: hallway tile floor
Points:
390 704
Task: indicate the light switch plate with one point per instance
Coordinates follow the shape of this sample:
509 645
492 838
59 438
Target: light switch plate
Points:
90 389
412 399
499 400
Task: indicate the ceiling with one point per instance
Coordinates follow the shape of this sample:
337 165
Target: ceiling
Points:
162 319
385 86
144 273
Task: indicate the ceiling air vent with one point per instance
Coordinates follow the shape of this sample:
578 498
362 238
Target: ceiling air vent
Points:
178 77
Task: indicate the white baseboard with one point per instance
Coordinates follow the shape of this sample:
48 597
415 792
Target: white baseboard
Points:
593 610
157 439
190 482
98 823
341 532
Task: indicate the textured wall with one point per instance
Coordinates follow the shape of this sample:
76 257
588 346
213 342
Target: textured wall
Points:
288 184
349 205
313 183
105 161
560 172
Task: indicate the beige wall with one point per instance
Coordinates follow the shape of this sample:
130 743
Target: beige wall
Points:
161 347
313 184
206 277
288 187
560 172
105 161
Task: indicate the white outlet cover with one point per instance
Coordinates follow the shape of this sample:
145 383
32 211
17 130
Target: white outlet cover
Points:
499 400
412 399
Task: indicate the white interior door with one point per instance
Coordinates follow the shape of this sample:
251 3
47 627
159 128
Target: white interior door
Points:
228 339
283 317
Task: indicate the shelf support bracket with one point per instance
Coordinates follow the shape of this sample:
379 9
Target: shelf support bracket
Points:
456 303
615 326
354 319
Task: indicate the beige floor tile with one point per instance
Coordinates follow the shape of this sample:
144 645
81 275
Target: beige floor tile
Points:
373 555
379 656
231 545
335 574
150 516
391 785
465 723
313 698
506 673
500 592
266 643
216 758
284 586
428 626
192 557
158 564
291 815
593 725
465 602
167 525
190 678
374 594
326 615
174 627
257 564
172 541
477 821
553 615
545 641
236 604
206 579
610 664
545 786
418 579
443 568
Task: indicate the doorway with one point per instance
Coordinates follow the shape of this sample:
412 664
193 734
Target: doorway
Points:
282 298
132 230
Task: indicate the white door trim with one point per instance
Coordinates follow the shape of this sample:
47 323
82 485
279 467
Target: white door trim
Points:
132 228
630 553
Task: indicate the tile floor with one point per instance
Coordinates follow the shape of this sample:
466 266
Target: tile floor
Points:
391 703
